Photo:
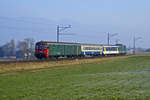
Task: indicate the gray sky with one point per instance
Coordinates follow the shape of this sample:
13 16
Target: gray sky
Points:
91 20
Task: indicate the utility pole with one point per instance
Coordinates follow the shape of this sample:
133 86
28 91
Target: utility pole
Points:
59 29
109 36
57 33
134 43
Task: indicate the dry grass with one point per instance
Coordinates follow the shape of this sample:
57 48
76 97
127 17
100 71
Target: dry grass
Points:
32 66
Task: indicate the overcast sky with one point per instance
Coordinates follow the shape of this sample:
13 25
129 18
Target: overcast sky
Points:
91 20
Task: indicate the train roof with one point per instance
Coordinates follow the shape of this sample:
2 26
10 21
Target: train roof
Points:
50 42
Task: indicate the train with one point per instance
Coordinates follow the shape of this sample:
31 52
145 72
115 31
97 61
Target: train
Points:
47 49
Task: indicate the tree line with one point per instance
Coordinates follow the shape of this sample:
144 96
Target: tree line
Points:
21 50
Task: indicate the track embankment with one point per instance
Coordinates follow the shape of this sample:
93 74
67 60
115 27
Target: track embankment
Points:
19 67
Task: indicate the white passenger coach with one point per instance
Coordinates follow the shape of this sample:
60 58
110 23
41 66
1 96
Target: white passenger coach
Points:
89 49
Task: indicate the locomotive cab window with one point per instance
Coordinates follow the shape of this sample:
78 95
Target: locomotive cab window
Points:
45 46
37 47
40 47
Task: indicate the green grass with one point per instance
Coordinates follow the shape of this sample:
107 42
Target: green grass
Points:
124 79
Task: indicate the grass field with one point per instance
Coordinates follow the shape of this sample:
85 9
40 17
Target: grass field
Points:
119 78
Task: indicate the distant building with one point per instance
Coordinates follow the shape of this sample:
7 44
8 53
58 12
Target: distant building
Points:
140 50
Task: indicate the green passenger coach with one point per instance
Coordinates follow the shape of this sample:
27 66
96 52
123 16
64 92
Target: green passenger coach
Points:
62 49
45 49
122 49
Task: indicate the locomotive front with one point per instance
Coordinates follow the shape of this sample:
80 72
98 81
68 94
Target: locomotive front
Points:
41 50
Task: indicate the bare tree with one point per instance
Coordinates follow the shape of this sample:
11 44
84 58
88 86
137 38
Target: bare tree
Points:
13 48
22 47
26 48
8 49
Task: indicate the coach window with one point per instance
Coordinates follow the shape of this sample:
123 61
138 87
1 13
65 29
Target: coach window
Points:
110 49
114 49
107 49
